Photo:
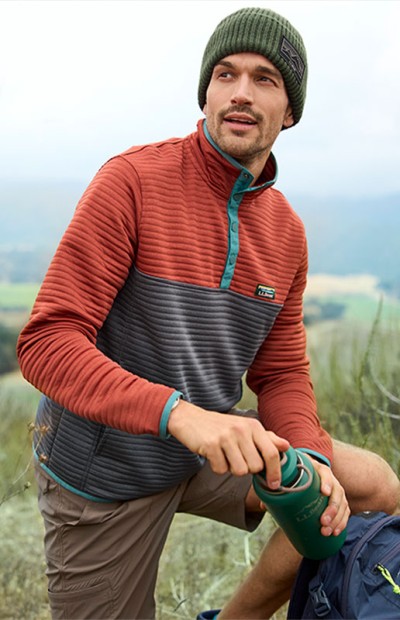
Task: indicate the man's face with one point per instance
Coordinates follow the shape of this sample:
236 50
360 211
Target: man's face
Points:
247 106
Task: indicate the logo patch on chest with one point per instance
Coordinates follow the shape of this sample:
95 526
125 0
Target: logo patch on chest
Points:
263 290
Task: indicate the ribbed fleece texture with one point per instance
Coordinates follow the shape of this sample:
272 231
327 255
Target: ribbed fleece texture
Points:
155 219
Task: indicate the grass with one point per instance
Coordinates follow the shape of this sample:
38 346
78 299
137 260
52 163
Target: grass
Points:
356 377
202 564
22 579
18 404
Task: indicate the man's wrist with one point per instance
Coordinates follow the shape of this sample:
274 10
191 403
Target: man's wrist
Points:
176 403
170 405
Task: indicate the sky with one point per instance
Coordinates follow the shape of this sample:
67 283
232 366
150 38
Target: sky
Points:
82 80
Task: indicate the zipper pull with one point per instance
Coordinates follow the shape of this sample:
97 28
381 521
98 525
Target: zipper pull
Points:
386 574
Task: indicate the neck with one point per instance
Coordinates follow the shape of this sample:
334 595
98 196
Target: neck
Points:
255 165
258 167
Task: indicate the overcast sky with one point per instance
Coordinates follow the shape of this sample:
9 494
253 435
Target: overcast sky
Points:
83 80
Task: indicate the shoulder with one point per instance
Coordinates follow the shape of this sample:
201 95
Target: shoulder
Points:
286 208
282 216
155 152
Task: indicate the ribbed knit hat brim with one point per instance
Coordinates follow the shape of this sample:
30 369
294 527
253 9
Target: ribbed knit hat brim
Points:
264 32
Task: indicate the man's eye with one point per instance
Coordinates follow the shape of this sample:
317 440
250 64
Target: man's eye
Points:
225 74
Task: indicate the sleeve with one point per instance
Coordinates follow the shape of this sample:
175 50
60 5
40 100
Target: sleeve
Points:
280 377
57 348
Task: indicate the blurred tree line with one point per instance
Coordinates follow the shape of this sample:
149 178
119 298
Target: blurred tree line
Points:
8 340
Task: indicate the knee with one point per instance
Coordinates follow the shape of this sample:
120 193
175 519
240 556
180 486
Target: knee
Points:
387 489
384 493
369 481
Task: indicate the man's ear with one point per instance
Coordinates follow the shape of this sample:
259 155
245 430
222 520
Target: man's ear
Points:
288 120
205 109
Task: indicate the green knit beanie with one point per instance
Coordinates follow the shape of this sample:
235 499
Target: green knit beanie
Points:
264 32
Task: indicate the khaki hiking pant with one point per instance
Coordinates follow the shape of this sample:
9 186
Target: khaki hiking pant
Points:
102 558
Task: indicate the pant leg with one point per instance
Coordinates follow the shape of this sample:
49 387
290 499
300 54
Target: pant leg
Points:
102 558
220 497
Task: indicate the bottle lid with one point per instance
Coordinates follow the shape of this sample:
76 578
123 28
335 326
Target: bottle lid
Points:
289 467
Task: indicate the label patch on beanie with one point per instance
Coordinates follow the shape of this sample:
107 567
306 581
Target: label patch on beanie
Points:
265 291
293 58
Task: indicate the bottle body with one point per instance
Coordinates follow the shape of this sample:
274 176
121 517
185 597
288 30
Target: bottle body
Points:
297 506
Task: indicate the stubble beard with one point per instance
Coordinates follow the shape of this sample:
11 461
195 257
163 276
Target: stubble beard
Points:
242 148
244 153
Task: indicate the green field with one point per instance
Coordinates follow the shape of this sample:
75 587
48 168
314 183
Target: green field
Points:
17 296
365 308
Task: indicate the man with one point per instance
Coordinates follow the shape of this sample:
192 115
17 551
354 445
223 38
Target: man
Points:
182 269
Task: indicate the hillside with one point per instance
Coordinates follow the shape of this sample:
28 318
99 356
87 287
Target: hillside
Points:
34 214
346 236
352 236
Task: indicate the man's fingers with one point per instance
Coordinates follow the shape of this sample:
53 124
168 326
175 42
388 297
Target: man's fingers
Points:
231 443
241 452
270 446
218 463
334 526
336 515
243 459
256 450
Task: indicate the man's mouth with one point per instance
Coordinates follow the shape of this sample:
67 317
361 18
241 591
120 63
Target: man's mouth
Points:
240 119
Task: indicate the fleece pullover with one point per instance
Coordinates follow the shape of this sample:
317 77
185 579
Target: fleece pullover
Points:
174 277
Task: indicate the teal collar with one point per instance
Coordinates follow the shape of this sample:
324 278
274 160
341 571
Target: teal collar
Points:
240 188
245 174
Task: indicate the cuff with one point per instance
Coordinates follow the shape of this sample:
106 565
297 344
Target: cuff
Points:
316 455
166 413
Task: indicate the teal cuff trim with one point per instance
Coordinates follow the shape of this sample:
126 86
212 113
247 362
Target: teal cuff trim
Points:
166 413
67 486
316 455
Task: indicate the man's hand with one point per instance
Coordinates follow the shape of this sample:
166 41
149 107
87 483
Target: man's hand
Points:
334 518
230 443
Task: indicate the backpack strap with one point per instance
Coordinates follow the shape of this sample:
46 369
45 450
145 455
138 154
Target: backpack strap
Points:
299 595
319 600
308 598
319 605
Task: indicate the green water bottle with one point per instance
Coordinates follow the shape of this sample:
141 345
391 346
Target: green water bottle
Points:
298 504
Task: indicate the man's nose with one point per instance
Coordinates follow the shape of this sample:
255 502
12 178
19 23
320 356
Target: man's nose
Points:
242 92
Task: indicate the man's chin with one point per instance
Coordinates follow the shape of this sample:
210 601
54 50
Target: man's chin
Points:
239 152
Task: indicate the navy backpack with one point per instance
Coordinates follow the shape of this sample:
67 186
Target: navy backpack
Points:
361 581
